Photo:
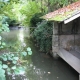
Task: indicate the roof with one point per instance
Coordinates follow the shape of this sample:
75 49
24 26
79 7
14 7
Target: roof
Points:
64 13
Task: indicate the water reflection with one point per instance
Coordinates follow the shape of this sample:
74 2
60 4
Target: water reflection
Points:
21 36
38 66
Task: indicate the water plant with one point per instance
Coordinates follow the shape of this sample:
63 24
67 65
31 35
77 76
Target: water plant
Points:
10 63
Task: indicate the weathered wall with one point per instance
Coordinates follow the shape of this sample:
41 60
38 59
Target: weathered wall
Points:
66 38
55 40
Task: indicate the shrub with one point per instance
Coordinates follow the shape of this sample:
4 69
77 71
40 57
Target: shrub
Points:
43 36
36 19
10 22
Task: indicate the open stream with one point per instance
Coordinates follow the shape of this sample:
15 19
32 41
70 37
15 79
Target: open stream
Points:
40 66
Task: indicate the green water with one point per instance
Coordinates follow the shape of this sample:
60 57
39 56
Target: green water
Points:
40 66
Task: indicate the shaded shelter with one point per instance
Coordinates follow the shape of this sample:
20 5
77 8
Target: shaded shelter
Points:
66 34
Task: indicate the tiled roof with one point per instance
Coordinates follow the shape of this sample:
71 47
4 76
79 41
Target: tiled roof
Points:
64 13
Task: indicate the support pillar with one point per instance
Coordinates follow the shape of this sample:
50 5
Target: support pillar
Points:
55 40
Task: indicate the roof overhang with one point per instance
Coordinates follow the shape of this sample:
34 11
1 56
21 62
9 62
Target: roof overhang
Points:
65 14
71 18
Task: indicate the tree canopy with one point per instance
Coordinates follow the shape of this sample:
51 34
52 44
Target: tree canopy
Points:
23 10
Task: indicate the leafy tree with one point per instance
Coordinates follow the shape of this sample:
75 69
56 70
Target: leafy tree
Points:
36 19
55 4
28 10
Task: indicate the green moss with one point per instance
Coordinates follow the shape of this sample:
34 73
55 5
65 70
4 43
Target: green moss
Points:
62 17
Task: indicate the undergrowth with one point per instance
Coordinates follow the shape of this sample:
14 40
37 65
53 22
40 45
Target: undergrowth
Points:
43 36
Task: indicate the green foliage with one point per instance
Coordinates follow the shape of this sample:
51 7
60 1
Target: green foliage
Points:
23 11
55 4
10 8
12 22
59 2
19 70
11 63
9 21
35 19
43 36
2 4
29 51
28 10
2 71
14 67
5 66
2 75
24 53
43 32
3 27
3 24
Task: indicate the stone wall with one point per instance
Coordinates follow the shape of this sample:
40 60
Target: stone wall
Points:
65 39
55 40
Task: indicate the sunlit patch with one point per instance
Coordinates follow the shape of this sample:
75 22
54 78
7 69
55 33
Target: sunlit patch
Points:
21 35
